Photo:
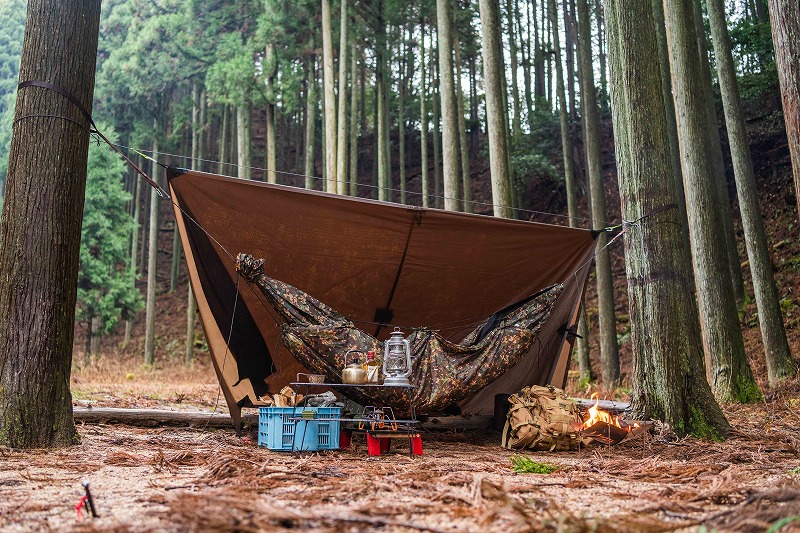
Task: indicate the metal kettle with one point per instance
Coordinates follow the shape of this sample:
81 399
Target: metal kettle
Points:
353 373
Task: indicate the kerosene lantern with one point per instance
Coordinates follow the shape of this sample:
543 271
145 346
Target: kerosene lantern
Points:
397 360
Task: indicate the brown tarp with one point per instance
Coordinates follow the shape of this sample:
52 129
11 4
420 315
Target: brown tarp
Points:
374 262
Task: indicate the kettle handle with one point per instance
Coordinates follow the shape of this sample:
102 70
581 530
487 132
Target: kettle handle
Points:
347 355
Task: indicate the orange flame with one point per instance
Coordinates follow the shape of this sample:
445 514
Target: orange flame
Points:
598 415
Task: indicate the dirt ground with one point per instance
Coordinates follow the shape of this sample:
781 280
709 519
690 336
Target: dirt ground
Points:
167 479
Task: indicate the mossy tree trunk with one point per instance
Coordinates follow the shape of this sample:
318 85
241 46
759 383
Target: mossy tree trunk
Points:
729 372
779 358
40 226
668 376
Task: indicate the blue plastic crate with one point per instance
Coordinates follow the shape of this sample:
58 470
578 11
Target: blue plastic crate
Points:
277 432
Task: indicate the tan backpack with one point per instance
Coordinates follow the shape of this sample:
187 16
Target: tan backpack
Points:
542 418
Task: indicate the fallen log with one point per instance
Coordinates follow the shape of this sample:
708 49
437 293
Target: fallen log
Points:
156 417
163 417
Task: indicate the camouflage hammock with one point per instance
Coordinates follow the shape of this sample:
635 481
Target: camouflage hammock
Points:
444 372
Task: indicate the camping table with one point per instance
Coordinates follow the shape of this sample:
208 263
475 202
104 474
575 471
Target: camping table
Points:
402 426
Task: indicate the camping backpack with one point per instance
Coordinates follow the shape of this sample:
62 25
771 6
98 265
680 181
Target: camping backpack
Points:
542 418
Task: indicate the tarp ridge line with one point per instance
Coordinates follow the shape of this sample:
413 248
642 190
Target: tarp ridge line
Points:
368 185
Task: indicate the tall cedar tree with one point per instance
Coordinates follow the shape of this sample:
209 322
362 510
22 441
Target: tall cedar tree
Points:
669 381
729 372
496 125
450 145
609 349
329 98
779 358
40 227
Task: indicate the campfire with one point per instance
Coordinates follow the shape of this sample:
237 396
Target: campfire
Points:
602 426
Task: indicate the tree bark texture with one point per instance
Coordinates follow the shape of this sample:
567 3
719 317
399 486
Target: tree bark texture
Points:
717 161
498 142
729 372
668 376
669 107
785 18
780 364
329 98
40 226
609 349
341 142
447 93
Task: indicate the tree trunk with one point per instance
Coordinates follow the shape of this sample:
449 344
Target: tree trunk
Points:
137 208
609 349
150 300
566 141
785 18
341 142
437 143
729 372
311 122
498 142
466 179
423 119
717 162
669 108
525 46
270 69
94 336
383 176
329 98
222 168
243 140
447 93
779 358
145 230
569 47
668 377
601 55
516 122
353 127
538 58
403 65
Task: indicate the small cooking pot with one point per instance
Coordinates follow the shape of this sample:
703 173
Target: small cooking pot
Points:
353 373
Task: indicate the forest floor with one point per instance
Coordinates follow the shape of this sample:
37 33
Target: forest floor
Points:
168 479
